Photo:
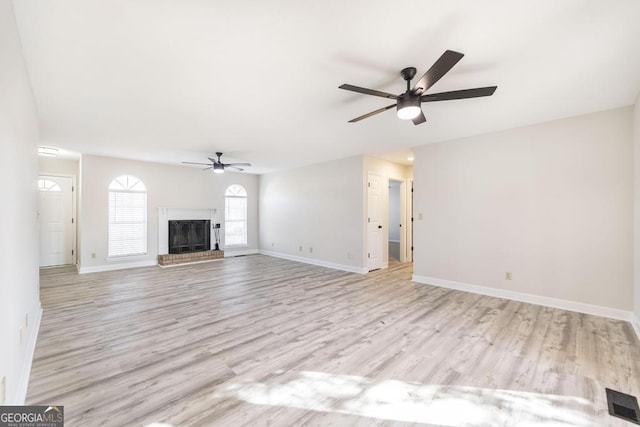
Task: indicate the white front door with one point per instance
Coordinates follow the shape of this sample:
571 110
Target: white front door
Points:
56 220
374 221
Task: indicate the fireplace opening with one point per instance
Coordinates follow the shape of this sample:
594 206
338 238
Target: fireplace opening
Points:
189 236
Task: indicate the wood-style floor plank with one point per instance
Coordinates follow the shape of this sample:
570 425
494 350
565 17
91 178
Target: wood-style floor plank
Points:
258 340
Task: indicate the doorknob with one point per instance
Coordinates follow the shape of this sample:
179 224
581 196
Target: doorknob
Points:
379 226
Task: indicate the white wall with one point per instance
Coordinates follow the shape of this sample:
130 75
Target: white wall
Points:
168 186
19 294
387 169
636 212
318 207
550 203
58 166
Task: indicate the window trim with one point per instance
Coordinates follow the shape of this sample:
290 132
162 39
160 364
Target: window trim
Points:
122 190
45 184
246 215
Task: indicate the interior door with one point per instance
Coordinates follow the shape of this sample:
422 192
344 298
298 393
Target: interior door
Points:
374 221
56 220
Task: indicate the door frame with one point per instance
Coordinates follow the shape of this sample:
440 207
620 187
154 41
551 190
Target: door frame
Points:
406 217
408 246
402 246
74 211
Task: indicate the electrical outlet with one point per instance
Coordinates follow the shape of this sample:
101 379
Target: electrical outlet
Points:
299 248
93 254
272 244
310 250
3 391
507 275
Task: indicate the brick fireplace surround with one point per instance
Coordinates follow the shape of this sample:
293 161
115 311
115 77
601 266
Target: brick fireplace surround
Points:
165 214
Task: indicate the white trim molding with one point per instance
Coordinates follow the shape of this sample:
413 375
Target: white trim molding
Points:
23 382
580 307
230 252
320 263
118 266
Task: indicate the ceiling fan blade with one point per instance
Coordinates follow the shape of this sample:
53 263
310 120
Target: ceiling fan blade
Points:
237 164
233 167
205 169
441 67
194 163
214 161
373 113
420 119
368 91
459 94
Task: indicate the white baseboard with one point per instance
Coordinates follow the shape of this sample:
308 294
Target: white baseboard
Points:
23 382
119 266
580 307
232 252
318 262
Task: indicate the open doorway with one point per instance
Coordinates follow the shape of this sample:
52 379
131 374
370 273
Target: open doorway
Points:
395 221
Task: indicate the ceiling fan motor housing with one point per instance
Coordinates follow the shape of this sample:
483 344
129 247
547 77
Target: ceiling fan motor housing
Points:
408 73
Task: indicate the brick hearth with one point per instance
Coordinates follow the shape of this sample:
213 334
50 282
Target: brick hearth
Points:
174 259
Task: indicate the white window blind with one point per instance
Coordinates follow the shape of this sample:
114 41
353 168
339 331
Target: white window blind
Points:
235 216
127 217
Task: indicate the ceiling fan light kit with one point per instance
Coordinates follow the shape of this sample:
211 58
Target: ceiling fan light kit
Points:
408 104
408 107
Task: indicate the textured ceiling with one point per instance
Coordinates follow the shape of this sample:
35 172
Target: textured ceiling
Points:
173 81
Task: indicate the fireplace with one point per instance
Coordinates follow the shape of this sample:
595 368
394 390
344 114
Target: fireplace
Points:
189 236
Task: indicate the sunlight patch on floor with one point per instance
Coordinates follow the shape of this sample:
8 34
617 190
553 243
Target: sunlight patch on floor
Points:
412 402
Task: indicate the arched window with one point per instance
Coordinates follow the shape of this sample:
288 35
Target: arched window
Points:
235 216
127 216
48 185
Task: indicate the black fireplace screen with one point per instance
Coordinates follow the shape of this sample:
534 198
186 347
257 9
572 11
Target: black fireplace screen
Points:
189 236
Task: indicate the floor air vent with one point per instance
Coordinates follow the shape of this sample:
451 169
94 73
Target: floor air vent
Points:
623 406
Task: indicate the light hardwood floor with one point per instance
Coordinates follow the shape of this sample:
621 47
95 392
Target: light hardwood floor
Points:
258 340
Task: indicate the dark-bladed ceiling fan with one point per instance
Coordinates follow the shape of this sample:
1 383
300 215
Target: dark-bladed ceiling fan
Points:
218 166
408 103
